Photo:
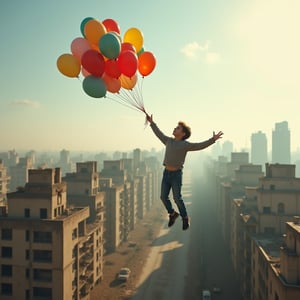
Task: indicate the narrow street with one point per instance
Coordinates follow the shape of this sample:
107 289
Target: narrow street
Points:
183 263
209 262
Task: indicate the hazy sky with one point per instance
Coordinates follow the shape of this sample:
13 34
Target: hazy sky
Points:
230 65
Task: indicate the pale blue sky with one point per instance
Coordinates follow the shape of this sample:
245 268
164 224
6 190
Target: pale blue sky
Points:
230 65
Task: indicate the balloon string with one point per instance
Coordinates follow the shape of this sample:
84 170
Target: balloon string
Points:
131 98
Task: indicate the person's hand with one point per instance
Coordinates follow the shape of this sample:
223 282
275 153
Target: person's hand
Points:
218 135
149 118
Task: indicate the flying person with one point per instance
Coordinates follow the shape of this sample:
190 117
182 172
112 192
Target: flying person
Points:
175 153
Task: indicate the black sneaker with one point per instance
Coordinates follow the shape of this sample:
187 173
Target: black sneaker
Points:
172 218
185 223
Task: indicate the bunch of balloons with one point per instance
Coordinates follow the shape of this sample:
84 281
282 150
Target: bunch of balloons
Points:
107 62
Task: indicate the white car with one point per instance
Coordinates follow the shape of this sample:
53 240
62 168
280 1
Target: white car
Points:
206 295
124 273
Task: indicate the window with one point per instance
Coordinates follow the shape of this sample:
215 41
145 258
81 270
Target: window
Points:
42 256
43 213
6 234
42 237
27 212
266 209
27 235
74 234
6 252
280 208
27 273
42 293
27 254
6 289
6 270
42 275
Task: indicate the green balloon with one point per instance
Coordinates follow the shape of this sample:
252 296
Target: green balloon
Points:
84 21
94 86
110 45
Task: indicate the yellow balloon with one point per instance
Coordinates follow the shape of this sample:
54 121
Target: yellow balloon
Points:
93 31
135 37
128 83
68 65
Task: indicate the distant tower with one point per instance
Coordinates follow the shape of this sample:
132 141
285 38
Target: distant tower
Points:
227 149
259 148
281 143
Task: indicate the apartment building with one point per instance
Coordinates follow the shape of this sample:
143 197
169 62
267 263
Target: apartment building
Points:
257 218
83 190
276 264
48 251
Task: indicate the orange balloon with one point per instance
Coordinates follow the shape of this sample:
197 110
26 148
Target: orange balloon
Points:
128 83
93 31
68 65
146 63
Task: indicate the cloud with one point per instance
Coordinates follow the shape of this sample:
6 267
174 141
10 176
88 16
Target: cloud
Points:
196 51
26 103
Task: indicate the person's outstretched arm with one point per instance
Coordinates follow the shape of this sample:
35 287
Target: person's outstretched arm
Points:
156 130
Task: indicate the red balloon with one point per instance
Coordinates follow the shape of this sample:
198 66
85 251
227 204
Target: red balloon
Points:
127 46
112 68
128 63
93 62
147 63
111 25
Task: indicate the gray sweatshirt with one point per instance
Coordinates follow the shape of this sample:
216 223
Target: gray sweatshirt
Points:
176 151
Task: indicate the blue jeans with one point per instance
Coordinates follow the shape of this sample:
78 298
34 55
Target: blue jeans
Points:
172 180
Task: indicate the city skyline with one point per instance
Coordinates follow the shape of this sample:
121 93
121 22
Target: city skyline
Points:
227 65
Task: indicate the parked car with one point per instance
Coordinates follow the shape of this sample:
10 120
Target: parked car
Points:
206 295
123 274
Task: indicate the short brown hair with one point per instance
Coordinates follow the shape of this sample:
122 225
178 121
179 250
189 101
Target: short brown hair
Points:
186 129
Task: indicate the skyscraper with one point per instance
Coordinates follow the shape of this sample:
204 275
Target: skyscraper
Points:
281 143
259 148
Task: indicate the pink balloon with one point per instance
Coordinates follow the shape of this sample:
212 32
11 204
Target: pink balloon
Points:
84 72
79 46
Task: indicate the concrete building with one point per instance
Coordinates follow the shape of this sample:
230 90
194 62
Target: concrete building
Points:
19 173
83 190
278 198
276 264
117 190
48 251
281 143
259 148
65 162
4 183
257 217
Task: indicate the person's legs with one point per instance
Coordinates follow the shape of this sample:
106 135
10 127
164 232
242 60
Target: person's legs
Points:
166 185
165 190
176 189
